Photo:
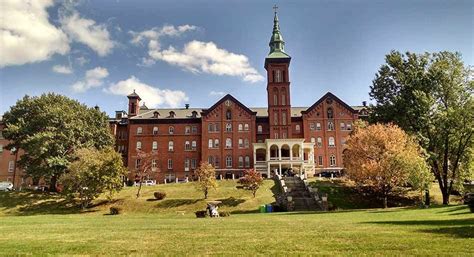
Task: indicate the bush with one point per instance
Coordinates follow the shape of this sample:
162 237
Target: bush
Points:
159 195
469 200
114 210
201 214
224 214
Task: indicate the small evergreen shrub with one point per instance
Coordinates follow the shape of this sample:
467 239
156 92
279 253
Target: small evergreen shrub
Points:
159 195
201 214
224 214
114 210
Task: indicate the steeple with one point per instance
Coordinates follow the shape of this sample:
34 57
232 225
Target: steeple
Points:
277 44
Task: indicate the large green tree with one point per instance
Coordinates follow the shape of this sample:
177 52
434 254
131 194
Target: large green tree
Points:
94 172
431 97
49 129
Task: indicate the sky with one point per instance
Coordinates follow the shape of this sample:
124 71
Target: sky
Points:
196 51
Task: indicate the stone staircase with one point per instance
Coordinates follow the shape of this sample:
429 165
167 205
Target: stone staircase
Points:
302 198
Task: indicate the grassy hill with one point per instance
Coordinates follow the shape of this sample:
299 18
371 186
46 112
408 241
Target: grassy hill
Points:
181 198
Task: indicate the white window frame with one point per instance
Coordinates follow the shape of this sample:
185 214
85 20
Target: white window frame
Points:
154 145
170 146
139 145
331 142
228 161
155 130
170 164
171 130
228 143
246 127
139 130
259 129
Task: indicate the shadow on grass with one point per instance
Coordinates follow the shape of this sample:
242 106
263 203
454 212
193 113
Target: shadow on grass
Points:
463 228
37 203
244 211
231 202
171 203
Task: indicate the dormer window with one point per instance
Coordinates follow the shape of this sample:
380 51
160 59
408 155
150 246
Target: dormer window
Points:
194 114
156 115
172 114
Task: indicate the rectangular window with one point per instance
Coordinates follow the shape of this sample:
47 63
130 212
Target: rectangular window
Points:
193 163
216 164
194 129
170 164
210 144
193 145
210 127
187 146
275 118
187 130
311 126
138 162
241 162
247 161
241 143
283 135
153 165
318 126
283 118
320 160
155 145
11 166
343 126
349 126
186 164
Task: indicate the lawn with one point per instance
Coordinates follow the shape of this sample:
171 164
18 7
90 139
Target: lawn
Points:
155 228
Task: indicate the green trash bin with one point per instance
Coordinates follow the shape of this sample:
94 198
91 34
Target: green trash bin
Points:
262 208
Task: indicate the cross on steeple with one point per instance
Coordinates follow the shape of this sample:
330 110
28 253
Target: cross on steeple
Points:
275 8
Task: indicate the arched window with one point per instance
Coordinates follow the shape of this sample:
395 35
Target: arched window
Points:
228 143
187 146
241 143
155 130
228 127
187 130
331 142
210 143
210 160
139 130
313 140
332 160
318 126
171 130
259 129
228 115
247 161
330 126
283 96
241 162
170 146
330 113
193 145
320 142
216 143
241 127
246 127
275 118
154 145
297 128
139 145
283 118
275 96
343 126
228 161
246 143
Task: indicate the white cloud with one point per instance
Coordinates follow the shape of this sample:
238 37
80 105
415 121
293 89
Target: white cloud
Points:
206 57
81 60
93 78
152 96
62 69
86 31
216 93
155 33
26 34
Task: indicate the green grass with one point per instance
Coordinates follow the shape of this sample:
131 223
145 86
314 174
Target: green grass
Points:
37 224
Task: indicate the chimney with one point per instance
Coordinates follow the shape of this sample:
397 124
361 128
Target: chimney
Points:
186 106
364 103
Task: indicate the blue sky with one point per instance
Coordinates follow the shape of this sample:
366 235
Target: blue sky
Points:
177 52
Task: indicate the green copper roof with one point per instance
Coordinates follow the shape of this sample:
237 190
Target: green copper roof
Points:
277 44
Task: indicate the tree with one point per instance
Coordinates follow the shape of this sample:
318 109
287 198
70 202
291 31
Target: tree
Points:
93 173
382 157
252 180
49 129
430 96
144 168
206 175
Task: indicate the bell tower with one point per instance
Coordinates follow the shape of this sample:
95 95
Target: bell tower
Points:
277 64
133 104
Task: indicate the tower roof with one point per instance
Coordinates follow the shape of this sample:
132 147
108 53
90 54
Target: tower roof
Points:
277 44
134 95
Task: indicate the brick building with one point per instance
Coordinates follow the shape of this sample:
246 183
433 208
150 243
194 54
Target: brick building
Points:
234 137
230 135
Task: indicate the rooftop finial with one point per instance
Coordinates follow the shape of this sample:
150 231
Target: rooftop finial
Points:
275 8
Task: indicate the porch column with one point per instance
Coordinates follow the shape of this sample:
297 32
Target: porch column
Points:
279 170
267 158
279 153
254 157
268 170
291 152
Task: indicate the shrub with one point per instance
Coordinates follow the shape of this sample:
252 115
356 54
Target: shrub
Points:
224 214
114 210
469 200
201 214
159 195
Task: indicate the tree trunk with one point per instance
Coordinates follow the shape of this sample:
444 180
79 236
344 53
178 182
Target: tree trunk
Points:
385 205
205 194
254 193
445 196
52 184
139 188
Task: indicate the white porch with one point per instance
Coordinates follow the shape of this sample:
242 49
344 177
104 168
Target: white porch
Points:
280 154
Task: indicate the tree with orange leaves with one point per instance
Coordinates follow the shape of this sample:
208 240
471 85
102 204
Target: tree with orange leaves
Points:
144 169
384 157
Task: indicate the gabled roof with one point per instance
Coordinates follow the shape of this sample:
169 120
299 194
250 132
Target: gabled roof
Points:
134 95
228 97
329 94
